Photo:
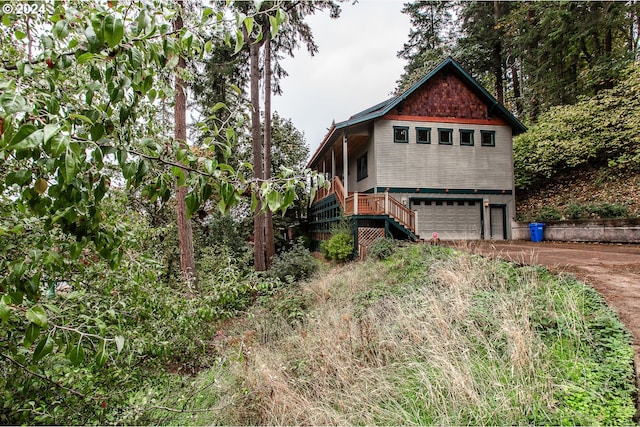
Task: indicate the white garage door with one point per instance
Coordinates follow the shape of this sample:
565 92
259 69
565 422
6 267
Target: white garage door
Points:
451 219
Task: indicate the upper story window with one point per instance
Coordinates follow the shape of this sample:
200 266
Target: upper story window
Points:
466 137
423 135
445 136
362 167
488 138
401 134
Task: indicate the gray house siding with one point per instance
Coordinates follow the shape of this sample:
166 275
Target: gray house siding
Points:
458 191
443 166
370 181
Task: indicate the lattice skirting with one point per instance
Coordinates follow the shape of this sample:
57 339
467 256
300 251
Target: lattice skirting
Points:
366 237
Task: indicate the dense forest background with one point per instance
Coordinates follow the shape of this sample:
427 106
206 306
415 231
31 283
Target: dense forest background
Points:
128 231
569 71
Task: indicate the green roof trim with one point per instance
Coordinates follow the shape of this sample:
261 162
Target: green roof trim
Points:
384 107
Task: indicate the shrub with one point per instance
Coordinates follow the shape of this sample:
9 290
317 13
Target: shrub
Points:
611 210
603 210
576 211
382 248
296 263
548 213
339 247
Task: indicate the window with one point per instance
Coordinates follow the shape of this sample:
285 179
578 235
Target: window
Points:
362 167
423 135
401 134
466 137
488 138
445 136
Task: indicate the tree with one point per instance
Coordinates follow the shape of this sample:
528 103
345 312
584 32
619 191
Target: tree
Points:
428 41
185 233
81 84
259 260
270 244
293 29
533 55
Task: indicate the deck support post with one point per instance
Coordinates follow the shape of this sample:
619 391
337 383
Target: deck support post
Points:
345 166
333 162
355 237
386 202
355 203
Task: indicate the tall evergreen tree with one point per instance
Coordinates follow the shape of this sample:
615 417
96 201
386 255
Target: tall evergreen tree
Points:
185 233
428 38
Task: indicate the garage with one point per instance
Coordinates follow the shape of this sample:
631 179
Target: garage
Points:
451 219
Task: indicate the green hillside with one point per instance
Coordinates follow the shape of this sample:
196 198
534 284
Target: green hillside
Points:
583 160
428 336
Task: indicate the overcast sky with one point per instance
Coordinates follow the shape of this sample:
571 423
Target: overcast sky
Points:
356 66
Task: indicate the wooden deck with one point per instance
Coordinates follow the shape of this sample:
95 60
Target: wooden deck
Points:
369 204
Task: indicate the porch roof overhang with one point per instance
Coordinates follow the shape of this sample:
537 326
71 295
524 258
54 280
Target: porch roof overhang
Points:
381 109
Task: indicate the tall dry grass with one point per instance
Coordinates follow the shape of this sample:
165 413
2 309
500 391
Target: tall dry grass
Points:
429 336
445 343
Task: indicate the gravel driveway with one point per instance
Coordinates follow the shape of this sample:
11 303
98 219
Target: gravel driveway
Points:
612 269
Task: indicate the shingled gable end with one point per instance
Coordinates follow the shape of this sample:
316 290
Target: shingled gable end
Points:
434 159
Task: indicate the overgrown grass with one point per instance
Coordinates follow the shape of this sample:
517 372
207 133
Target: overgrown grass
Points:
427 336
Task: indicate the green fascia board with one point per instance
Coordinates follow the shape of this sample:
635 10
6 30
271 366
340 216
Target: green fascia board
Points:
415 193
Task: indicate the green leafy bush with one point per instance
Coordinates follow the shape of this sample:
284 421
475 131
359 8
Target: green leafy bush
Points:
548 213
296 263
382 248
338 248
601 131
611 210
576 211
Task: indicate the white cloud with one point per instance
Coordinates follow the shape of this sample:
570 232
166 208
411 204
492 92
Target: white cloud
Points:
356 66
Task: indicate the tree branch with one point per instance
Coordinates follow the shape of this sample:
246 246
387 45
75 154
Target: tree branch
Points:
44 377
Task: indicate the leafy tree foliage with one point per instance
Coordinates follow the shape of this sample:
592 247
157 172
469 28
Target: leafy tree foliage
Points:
601 131
538 54
83 88
428 40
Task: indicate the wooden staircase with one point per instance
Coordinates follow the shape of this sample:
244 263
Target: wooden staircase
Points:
373 207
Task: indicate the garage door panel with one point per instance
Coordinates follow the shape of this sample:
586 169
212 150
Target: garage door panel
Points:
452 220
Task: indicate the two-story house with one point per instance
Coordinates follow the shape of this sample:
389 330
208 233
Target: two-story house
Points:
436 158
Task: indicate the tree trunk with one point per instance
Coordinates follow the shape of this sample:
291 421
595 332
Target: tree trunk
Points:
268 216
497 53
517 96
259 261
185 234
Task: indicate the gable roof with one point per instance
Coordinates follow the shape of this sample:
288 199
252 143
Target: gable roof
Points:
385 107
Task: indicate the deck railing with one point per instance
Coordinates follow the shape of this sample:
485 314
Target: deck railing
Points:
380 204
369 204
334 187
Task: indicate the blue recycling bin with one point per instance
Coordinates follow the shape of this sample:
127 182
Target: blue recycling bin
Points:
536 229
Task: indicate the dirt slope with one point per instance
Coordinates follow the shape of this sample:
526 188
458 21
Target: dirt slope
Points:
583 187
